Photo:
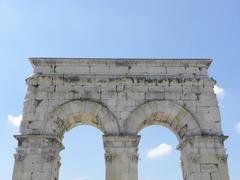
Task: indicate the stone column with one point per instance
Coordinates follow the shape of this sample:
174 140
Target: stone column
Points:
204 158
121 156
37 158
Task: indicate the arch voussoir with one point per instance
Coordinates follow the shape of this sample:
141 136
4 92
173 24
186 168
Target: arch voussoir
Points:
77 112
166 113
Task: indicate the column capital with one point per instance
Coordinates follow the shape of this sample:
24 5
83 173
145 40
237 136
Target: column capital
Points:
38 141
121 141
119 145
196 139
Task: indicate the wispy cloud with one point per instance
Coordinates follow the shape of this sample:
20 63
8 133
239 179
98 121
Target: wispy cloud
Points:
161 150
238 127
15 120
219 91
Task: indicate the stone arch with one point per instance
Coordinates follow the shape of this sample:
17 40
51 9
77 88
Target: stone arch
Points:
165 113
81 112
78 81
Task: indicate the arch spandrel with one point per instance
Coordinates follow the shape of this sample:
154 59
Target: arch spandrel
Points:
165 113
81 112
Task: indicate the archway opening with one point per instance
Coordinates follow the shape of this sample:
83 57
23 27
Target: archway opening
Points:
83 156
159 158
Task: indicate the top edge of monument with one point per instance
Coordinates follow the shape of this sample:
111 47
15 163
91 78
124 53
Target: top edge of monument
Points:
45 61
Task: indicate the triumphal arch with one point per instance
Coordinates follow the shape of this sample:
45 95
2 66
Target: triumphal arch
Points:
120 97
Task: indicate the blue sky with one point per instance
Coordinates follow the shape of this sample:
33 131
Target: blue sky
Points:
126 28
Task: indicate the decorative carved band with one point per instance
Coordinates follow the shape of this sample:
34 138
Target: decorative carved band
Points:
49 157
209 167
222 158
134 157
194 157
39 141
20 156
109 157
198 139
121 141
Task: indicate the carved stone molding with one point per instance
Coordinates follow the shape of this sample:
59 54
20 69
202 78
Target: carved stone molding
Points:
194 157
186 140
59 122
49 157
209 167
109 157
20 156
198 139
222 158
121 141
134 157
182 133
38 141
22 140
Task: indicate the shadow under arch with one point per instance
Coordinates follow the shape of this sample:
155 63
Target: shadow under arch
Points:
81 112
164 113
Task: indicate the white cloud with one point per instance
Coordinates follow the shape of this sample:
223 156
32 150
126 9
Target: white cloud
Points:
161 150
15 120
219 91
238 127
82 178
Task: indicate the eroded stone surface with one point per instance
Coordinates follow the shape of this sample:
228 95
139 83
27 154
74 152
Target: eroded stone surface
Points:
120 97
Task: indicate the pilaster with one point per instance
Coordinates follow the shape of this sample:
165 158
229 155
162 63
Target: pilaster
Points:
37 157
204 158
121 156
